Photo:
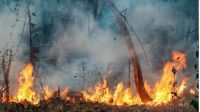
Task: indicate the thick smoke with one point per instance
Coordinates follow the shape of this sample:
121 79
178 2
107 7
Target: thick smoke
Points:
78 37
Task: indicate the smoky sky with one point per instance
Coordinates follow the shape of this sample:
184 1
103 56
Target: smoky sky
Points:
72 35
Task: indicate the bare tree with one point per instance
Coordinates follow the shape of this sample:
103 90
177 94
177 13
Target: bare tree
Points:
6 63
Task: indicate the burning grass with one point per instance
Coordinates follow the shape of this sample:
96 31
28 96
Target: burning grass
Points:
76 103
25 91
165 93
25 86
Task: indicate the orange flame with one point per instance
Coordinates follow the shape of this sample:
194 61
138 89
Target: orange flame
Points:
161 92
48 93
25 89
64 94
192 91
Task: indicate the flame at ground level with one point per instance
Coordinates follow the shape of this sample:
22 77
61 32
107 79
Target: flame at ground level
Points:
164 91
25 88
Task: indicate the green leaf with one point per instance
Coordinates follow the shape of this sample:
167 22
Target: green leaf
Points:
33 14
197 54
195 66
197 75
194 104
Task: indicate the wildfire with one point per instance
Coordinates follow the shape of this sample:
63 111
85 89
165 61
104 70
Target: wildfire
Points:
25 89
64 94
48 93
164 91
192 91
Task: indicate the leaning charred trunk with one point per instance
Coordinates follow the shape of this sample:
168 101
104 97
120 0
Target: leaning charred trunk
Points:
134 60
133 56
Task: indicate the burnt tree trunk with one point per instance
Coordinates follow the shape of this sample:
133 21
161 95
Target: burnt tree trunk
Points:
133 56
6 70
31 56
129 74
